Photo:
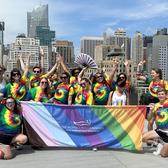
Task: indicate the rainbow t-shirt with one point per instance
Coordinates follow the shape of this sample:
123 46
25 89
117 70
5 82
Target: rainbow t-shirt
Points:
61 94
101 92
53 86
33 80
75 87
154 86
84 97
16 90
161 115
37 94
10 123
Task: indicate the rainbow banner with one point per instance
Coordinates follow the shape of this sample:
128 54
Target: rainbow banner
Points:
84 126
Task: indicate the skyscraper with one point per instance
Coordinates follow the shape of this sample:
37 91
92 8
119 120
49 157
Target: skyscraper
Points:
66 49
160 53
147 45
137 47
45 35
88 45
38 17
24 46
120 39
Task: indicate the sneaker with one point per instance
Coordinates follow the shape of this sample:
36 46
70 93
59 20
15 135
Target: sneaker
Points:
7 152
94 149
19 147
158 150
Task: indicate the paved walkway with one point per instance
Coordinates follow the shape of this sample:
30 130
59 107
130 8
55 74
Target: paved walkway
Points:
57 158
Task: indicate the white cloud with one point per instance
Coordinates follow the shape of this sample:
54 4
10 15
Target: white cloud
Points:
109 31
73 18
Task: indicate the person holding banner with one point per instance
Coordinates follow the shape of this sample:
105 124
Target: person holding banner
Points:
10 127
158 113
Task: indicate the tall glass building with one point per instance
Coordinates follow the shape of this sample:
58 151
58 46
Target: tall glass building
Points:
45 35
38 17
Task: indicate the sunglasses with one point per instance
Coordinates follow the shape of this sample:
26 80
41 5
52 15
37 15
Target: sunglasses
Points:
99 76
42 82
63 77
122 77
36 71
15 74
10 102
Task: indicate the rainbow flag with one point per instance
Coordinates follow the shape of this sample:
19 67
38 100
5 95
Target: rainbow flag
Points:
82 126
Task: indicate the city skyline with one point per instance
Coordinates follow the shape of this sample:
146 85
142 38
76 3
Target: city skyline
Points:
73 19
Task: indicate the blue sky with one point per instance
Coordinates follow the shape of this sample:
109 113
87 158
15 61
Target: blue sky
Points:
72 19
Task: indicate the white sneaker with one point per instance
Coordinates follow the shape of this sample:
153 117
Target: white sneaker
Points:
158 149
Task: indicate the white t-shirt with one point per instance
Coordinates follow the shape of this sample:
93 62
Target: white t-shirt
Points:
2 84
119 100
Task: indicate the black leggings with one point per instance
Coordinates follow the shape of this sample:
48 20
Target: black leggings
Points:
6 139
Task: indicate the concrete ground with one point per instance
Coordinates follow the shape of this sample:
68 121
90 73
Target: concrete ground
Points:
64 158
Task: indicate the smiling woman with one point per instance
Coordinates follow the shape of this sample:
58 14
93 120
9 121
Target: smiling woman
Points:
40 93
16 87
10 127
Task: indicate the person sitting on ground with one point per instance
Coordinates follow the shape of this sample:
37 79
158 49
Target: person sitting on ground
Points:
10 127
160 116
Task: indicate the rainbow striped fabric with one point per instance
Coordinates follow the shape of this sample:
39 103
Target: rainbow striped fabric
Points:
84 126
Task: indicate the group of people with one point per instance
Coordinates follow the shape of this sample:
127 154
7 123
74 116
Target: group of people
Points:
67 87
71 88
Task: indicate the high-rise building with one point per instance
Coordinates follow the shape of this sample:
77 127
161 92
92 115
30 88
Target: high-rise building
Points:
24 46
38 27
137 47
88 45
38 17
101 52
2 26
147 53
66 49
45 35
160 53
120 39
162 31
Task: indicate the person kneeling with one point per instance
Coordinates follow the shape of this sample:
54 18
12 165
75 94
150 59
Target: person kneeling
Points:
10 127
